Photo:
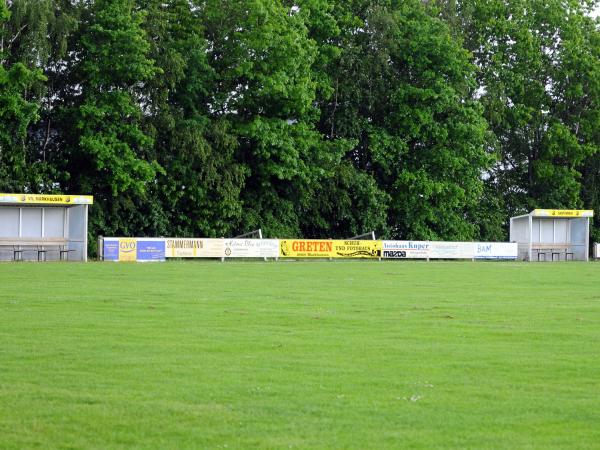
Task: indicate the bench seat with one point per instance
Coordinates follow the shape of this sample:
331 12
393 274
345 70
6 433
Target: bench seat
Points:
40 245
552 250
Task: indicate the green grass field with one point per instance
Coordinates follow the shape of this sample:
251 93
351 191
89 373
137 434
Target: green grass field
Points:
313 355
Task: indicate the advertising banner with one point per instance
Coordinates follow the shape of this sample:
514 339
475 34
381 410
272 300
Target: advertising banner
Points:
110 249
406 249
449 250
194 248
496 250
452 250
127 249
133 249
157 249
315 248
251 248
150 250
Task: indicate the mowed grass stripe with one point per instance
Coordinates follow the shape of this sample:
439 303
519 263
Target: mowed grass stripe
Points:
317 354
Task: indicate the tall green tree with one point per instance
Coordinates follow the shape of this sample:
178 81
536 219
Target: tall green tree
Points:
17 109
105 149
198 194
46 28
265 88
537 80
303 117
584 113
403 94
347 201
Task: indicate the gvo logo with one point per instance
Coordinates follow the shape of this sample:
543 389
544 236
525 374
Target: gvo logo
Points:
127 246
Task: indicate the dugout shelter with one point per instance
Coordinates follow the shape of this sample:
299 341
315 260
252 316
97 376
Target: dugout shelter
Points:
43 227
552 234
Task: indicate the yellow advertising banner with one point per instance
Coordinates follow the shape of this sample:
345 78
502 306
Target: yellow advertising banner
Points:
47 199
315 248
563 213
127 249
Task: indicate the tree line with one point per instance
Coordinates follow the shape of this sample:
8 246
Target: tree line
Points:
417 119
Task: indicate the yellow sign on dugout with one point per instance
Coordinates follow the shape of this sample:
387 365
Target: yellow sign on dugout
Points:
46 199
563 213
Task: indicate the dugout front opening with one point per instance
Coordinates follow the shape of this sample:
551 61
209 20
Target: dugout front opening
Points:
552 235
44 227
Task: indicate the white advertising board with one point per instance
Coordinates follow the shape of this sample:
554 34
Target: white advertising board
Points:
251 248
452 250
596 250
193 248
406 249
496 250
449 250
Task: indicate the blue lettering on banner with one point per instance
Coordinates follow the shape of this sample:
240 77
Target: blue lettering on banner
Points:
410 245
150 250
484 248
111 250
